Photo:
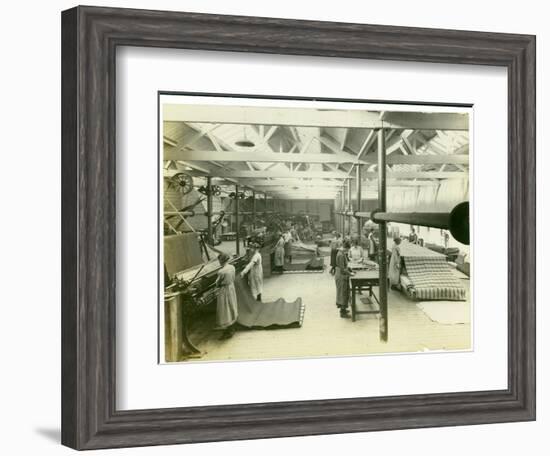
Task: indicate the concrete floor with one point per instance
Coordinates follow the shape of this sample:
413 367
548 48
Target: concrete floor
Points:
324 333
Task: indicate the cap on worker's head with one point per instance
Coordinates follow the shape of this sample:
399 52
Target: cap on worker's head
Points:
223 257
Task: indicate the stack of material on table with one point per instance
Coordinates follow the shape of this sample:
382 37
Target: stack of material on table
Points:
365 265
426 275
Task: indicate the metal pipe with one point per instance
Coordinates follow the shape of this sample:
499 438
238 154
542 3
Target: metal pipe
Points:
382 247
457 221
210 236
358 202
253 209
356 214
237 230
350 206
431 219
343 208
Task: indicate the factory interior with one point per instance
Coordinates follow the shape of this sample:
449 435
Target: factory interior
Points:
302 232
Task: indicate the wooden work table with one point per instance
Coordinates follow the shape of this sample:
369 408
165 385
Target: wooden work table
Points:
363 280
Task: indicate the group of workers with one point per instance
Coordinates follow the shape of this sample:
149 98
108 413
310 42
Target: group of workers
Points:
283 248
344 252
356 252
226 306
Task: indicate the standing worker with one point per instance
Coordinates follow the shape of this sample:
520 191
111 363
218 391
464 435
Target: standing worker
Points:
279 254
226 311
394 271
341 278
288 246
335 244
413 238
373 246
256 276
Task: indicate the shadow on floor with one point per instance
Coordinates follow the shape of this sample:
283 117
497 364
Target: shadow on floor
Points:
50 434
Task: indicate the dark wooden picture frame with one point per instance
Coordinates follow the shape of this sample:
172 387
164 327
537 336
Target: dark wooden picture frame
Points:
90 36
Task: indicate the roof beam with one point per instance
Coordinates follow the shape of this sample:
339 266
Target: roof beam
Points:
344 138
369 141
275 174
427 159
308 117
237 156
334 146
234 156
282 173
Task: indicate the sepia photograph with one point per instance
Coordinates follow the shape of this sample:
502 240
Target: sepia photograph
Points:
306 228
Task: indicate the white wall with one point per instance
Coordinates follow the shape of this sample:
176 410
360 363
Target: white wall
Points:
30 171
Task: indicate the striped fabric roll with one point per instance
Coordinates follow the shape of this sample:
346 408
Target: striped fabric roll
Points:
432 279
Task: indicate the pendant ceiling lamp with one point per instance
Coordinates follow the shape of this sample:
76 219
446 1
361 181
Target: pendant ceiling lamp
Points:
244 141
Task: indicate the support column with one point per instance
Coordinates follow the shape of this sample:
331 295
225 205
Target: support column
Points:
253 209
237 227
210 237
382 250
350 207
343 218
358 203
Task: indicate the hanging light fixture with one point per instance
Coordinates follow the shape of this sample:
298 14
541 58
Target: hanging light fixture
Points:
244 141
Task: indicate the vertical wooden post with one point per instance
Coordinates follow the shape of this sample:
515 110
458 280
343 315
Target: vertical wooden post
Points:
358 203
253 209
382 248
210 236
237 228
173 328
350 207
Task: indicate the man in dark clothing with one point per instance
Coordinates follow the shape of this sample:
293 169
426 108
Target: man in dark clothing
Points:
341 278
335 244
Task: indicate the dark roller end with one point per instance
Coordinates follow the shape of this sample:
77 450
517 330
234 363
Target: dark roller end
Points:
459 223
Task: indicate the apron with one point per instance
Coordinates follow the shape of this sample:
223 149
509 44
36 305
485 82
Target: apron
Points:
256 275
226 311
395 266
280 253
341 278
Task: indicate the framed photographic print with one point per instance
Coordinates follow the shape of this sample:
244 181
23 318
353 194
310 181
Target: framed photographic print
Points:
280 228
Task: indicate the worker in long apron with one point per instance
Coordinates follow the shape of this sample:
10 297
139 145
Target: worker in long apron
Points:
394 270
226 310
287 246
279 254
341 278
256 276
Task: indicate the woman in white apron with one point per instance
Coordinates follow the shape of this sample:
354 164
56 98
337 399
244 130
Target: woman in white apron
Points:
226 311
395 265
256 276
